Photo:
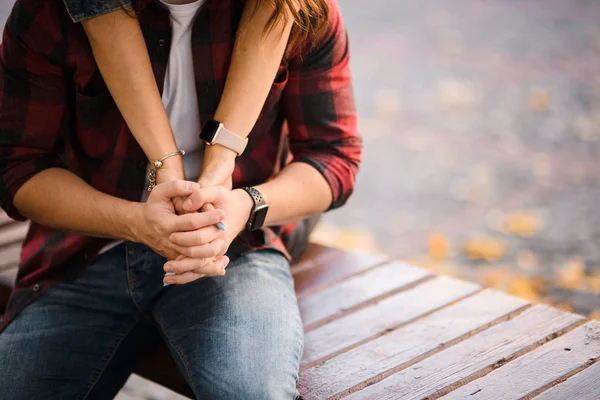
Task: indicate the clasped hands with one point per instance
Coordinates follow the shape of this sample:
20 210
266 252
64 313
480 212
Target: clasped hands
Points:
180 217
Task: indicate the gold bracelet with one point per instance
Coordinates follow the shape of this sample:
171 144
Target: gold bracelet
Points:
158 164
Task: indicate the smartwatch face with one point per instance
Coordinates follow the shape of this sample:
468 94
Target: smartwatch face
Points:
260 215
210 130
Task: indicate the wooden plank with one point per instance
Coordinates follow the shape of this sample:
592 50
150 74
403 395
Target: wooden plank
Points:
334 265
343 297
473 358
405 346
582 386
527 376
351 330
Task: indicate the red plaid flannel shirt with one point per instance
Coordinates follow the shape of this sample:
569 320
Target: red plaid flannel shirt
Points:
56 112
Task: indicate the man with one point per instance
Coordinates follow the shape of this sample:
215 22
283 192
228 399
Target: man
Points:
89 297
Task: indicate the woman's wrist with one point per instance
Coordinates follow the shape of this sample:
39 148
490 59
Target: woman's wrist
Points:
218 153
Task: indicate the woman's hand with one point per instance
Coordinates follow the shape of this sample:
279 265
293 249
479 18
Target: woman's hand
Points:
158 221
172 170
236 204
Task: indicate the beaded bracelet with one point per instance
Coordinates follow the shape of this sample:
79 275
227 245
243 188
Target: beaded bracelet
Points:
158 164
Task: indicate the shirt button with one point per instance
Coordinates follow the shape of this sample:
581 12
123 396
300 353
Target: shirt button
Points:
36 287
161 42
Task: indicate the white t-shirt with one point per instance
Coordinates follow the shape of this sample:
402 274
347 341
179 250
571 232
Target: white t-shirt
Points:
179 92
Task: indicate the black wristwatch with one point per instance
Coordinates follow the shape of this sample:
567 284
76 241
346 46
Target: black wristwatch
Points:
259 211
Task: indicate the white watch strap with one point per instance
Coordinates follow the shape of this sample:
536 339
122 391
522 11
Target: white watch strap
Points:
230 140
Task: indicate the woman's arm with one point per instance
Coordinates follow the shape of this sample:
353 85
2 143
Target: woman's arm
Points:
254 63
122 57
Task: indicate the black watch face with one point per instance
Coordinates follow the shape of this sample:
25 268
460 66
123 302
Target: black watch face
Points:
260 214
209 130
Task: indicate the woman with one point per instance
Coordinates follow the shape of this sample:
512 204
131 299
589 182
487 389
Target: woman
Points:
89 299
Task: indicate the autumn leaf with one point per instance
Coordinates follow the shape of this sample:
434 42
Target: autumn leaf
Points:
487 249
539 100
521 223
564 306
570 275
438 246
495 278
526 287
595 314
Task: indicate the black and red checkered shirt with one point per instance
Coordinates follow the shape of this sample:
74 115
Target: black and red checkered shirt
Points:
56 112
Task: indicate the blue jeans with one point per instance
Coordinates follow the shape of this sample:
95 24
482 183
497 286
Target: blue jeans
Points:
85 9
232 336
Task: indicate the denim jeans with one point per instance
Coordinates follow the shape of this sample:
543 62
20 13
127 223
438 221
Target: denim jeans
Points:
233 336
85 9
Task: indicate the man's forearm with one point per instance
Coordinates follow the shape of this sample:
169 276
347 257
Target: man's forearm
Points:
298 191
59 199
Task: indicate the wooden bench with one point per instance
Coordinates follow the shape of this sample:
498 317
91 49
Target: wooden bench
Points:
384 329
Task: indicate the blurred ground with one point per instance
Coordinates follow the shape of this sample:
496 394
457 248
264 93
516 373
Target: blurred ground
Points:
481 121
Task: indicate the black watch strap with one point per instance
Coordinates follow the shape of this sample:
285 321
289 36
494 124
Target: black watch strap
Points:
258 213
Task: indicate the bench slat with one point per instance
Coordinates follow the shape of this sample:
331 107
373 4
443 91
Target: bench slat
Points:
330 267
583 386
473 358
341 298
403 347
329 340
540 368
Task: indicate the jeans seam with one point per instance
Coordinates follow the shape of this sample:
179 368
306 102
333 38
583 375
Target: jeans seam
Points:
171 343
129 291
105 361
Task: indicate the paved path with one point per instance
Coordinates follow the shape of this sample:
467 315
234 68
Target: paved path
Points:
472 110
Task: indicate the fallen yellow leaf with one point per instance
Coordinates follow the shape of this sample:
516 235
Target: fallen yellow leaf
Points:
570 276
595 314
487 249
438 246
521 223
495 278
527 288
565 307
539 100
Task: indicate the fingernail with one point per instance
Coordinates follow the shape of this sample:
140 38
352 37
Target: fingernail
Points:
165 284
170 274
220 226
187 203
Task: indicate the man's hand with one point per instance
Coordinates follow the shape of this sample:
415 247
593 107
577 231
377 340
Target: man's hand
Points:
158 221
237 205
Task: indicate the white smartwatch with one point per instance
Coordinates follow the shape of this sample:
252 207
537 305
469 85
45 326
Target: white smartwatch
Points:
214 132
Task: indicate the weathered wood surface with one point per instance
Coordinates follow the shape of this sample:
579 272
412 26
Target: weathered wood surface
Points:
358 290
380 329
375 320
408 345
540 369
474 357
582 386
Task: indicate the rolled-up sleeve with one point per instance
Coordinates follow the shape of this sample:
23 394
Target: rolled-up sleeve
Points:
320 111
33 112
